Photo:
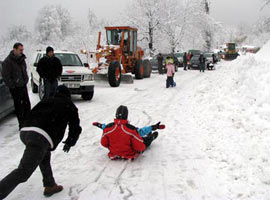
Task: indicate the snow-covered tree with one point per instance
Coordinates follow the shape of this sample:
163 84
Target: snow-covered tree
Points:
53 23
146 15
18 33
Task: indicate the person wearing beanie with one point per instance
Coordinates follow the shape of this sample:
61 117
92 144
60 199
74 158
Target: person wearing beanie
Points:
124 140
49 69
41 133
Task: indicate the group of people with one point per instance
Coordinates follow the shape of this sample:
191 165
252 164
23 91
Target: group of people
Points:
14 73
43 127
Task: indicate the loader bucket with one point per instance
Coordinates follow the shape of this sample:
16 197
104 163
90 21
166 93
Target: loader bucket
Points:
125 79
231 56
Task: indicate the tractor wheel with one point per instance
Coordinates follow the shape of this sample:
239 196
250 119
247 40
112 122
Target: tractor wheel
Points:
114 74
139 69
147 69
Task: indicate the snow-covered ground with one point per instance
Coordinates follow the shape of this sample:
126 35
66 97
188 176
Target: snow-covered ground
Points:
215 145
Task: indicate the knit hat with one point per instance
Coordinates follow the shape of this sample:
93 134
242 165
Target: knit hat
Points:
49 49
61 89
121 112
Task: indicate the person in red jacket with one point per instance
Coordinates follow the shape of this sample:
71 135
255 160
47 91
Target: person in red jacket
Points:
124 140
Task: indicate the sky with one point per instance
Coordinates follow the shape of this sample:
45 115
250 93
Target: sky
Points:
24 12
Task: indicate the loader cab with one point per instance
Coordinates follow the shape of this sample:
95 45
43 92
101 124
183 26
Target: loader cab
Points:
125 37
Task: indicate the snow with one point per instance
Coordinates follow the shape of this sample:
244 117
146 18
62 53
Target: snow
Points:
215 145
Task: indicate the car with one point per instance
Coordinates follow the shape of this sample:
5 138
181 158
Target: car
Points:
179 57
194 62
6 101
154 61
76 75
194 52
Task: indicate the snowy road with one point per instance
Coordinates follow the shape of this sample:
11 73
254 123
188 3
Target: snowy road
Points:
211 148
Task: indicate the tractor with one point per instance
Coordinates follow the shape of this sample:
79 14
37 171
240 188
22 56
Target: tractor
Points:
118 57
230 52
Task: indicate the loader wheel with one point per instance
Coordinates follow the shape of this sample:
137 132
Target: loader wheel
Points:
114 74
147 69
139 69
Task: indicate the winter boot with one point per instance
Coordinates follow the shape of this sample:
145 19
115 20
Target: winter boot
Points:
49 191
154 135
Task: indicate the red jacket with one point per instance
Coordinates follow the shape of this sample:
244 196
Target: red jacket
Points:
122 139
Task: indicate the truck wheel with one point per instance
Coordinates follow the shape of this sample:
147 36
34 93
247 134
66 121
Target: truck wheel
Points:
87 95
139 69
114 74
41 89
147 69
34 86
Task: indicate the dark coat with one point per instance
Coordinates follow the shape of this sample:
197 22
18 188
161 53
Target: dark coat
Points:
160 59
49 68
202 59
53 115
185 59
14 71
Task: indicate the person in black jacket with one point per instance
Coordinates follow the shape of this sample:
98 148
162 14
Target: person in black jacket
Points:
160 62
49 69
15 76
185 60
42 131
202 63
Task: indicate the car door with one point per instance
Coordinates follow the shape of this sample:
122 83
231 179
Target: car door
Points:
34 70
6 102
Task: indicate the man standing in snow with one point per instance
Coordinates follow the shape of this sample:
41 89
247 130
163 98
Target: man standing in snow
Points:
42 131
123 140
202 63
49 69
15 76
160 61
185 60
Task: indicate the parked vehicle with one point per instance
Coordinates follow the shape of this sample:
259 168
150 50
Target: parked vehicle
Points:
154 62
76 76
6 101
194 62
194 52
179 57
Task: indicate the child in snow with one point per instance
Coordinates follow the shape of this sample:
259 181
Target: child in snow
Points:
170 73
123 140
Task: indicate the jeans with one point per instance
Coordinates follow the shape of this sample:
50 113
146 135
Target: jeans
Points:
169 82
202 67
36 154
50 87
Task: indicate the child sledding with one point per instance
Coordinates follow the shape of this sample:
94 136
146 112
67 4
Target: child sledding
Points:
124 140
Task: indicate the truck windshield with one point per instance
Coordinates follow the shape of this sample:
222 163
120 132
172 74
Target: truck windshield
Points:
114 36
69 59
231 46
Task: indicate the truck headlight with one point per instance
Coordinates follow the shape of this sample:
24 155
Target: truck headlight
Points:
88 77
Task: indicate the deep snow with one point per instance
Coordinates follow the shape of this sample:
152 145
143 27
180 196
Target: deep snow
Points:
215 145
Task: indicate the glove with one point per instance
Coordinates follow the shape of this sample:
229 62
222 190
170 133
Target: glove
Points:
97 124
157 126
66 147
